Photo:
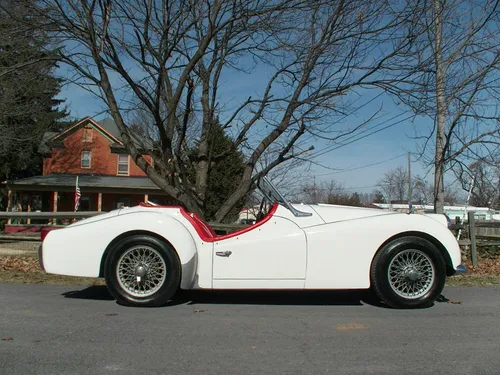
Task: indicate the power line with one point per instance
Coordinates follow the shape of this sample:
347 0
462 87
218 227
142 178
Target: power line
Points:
336 147
360 167
306 139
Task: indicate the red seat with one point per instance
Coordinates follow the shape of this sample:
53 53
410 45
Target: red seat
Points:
207 234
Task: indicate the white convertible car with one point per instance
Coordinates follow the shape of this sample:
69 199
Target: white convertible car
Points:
148 252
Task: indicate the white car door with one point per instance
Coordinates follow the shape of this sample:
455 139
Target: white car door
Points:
272 255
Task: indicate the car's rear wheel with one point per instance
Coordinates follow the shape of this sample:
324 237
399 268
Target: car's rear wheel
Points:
408 272
142 270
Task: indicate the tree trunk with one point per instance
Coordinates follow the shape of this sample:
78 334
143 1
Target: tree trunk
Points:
203 164
440 113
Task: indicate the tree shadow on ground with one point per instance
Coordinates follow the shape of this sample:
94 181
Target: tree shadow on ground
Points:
249 297
281 297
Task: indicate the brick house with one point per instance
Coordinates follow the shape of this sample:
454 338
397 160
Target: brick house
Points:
108 178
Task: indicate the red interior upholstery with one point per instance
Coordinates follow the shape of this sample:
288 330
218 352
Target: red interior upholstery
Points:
204 230
207 234
201 226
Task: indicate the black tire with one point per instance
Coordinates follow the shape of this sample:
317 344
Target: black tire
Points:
162 291
388 292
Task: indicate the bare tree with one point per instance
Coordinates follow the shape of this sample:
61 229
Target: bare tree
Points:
450 74
331 192
422 191
394 184
485 181
174 57
323 192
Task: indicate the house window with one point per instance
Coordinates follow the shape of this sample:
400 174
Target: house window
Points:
85 159
87 134
123 164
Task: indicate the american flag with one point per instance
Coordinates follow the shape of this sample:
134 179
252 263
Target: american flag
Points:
77 195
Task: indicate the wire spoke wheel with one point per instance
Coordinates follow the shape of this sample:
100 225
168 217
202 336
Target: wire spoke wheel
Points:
411 274
141 271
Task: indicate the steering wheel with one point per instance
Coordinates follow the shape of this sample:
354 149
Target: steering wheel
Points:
261 214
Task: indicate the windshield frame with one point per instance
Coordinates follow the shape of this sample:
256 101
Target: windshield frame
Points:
272 194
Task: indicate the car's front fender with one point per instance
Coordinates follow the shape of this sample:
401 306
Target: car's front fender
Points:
340 254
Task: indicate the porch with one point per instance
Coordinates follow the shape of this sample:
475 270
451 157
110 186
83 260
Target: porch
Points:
55 193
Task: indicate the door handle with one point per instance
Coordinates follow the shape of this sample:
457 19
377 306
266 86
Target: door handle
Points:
223 253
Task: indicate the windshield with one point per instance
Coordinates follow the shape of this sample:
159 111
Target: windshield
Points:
273 195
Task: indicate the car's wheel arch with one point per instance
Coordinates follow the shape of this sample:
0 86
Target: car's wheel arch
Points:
444 253
129 234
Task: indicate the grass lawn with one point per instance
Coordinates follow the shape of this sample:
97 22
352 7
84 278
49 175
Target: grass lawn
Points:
26 270
473 280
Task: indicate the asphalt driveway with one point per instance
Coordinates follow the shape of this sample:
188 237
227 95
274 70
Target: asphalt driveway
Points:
46 329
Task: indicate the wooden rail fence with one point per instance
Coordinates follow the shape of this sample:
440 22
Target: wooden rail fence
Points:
219 228
486 232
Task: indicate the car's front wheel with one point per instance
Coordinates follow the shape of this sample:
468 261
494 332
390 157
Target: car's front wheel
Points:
408 272
142 270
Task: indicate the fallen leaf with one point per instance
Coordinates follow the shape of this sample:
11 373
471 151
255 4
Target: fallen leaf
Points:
7 339
454 302
112 314
198 311
351 326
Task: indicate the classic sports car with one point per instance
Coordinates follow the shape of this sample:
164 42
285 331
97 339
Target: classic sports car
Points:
148 252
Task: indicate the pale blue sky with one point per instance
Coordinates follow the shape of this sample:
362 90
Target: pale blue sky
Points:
391 143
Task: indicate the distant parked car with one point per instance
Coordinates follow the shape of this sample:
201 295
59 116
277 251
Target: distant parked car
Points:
148 252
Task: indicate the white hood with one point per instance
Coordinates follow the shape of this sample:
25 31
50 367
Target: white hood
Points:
331 213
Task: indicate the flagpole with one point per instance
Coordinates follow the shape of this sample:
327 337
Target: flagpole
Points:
77 196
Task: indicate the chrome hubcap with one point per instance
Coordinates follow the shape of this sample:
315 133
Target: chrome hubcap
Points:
141 271
411 274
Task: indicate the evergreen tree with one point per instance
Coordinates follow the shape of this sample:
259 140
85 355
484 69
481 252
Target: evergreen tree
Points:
28 90
224 174
378 197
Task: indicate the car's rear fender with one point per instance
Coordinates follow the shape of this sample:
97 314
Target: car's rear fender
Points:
81 250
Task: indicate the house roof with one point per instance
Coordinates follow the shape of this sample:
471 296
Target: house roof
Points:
111 127
43 147
107 133
107 127
85 181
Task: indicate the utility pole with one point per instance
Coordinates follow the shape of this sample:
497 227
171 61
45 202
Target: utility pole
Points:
409 178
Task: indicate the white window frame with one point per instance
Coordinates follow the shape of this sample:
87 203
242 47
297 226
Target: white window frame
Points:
118 165
90 160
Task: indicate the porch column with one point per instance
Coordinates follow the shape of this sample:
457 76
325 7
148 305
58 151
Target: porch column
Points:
146 197
99 202
10 204
28 221
54 206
